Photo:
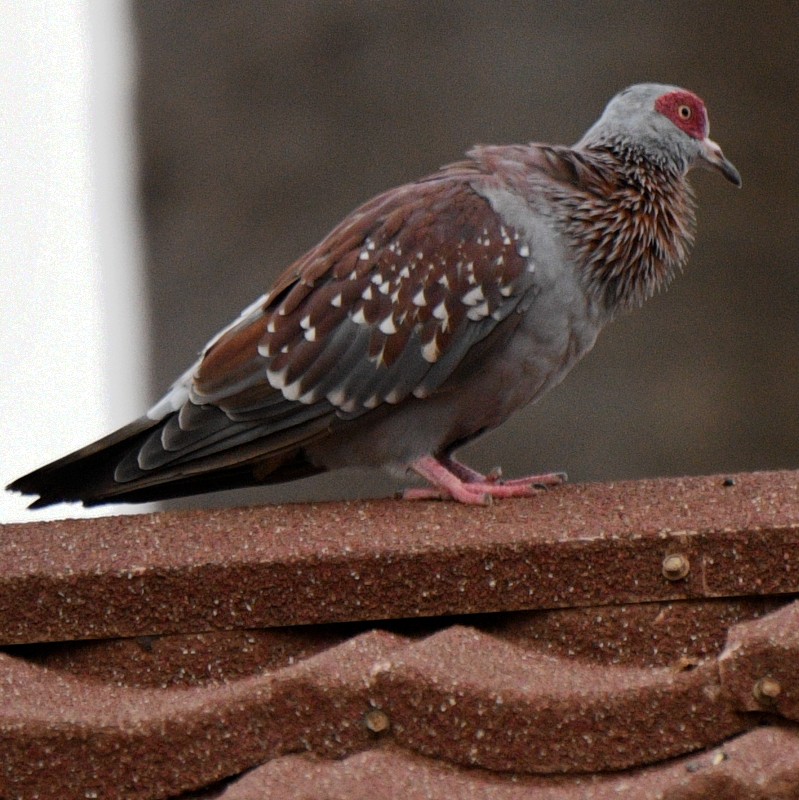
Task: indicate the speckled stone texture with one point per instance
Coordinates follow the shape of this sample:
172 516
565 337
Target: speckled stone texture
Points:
593 544
423 675
761 765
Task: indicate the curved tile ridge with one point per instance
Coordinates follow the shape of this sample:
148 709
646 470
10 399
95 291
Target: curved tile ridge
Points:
759 665
190 659
467 697
109 741
643 634
464 696
762 764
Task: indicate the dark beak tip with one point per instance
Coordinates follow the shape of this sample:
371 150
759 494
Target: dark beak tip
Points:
732 175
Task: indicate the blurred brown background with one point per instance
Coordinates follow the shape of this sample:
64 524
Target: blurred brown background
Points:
263 123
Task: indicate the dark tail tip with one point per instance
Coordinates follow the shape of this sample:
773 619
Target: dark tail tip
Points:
84 476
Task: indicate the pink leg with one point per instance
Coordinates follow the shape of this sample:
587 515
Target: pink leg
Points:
467 474
451 479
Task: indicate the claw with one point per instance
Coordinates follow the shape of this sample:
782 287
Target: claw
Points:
495 476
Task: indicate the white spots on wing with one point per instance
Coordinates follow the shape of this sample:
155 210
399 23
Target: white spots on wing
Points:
524 250
393 397
371 402
405 272
264 350
358 317
441 312
506 291
419 255
310 330
277 380
473 296
499 260
478 312
366 294
395 295
504 234
380 359
387 326
337 397
444 281
309 397
270 326
337 301
419 298
384 287
531 266
430 351
369 244
377 279
292 391
363 255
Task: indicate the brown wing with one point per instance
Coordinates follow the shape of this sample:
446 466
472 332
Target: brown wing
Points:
384 307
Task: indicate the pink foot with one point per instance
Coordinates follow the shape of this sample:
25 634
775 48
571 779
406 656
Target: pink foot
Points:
451 479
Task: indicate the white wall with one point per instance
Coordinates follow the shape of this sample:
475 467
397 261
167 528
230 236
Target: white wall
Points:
71 310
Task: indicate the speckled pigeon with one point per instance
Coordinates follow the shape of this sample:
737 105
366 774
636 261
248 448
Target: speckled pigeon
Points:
424 319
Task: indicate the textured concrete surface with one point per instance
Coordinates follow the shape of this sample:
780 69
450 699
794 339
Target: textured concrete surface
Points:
629 677
761 765
577 545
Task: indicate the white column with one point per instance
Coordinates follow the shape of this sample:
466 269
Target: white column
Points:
72 343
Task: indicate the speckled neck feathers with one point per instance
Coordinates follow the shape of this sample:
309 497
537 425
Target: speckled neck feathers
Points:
628 220
631 222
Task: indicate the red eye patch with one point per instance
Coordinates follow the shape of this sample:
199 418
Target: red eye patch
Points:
686 111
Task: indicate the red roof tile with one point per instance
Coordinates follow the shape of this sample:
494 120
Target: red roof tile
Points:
285 565
606 691
759 666
760 765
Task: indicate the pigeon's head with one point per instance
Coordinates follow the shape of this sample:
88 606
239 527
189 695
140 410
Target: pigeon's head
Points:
666 124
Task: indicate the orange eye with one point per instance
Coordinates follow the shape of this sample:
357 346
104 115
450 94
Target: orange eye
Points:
685 112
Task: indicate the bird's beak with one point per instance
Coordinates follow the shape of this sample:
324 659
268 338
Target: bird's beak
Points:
711 156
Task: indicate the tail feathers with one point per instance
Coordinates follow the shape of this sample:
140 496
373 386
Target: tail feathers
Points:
87 475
